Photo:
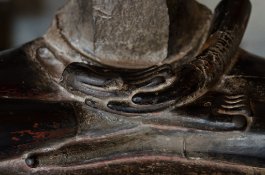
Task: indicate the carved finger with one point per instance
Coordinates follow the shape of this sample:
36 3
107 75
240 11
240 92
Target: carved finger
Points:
142 75
162 73
93 76
206 69
186 84
127 108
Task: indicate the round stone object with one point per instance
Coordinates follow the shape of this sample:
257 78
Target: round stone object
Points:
134 33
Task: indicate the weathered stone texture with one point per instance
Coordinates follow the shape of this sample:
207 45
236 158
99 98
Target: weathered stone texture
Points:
127 32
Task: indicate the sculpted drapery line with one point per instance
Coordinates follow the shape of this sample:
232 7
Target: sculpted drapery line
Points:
134 87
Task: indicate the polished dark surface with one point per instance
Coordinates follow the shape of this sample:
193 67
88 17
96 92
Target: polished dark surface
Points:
63 113
26 124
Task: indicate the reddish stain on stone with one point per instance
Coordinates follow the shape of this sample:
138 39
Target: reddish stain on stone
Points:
35 135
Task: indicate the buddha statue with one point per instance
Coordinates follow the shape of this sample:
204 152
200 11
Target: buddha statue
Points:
135 87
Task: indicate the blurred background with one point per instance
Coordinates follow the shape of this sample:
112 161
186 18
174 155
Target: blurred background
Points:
24 20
